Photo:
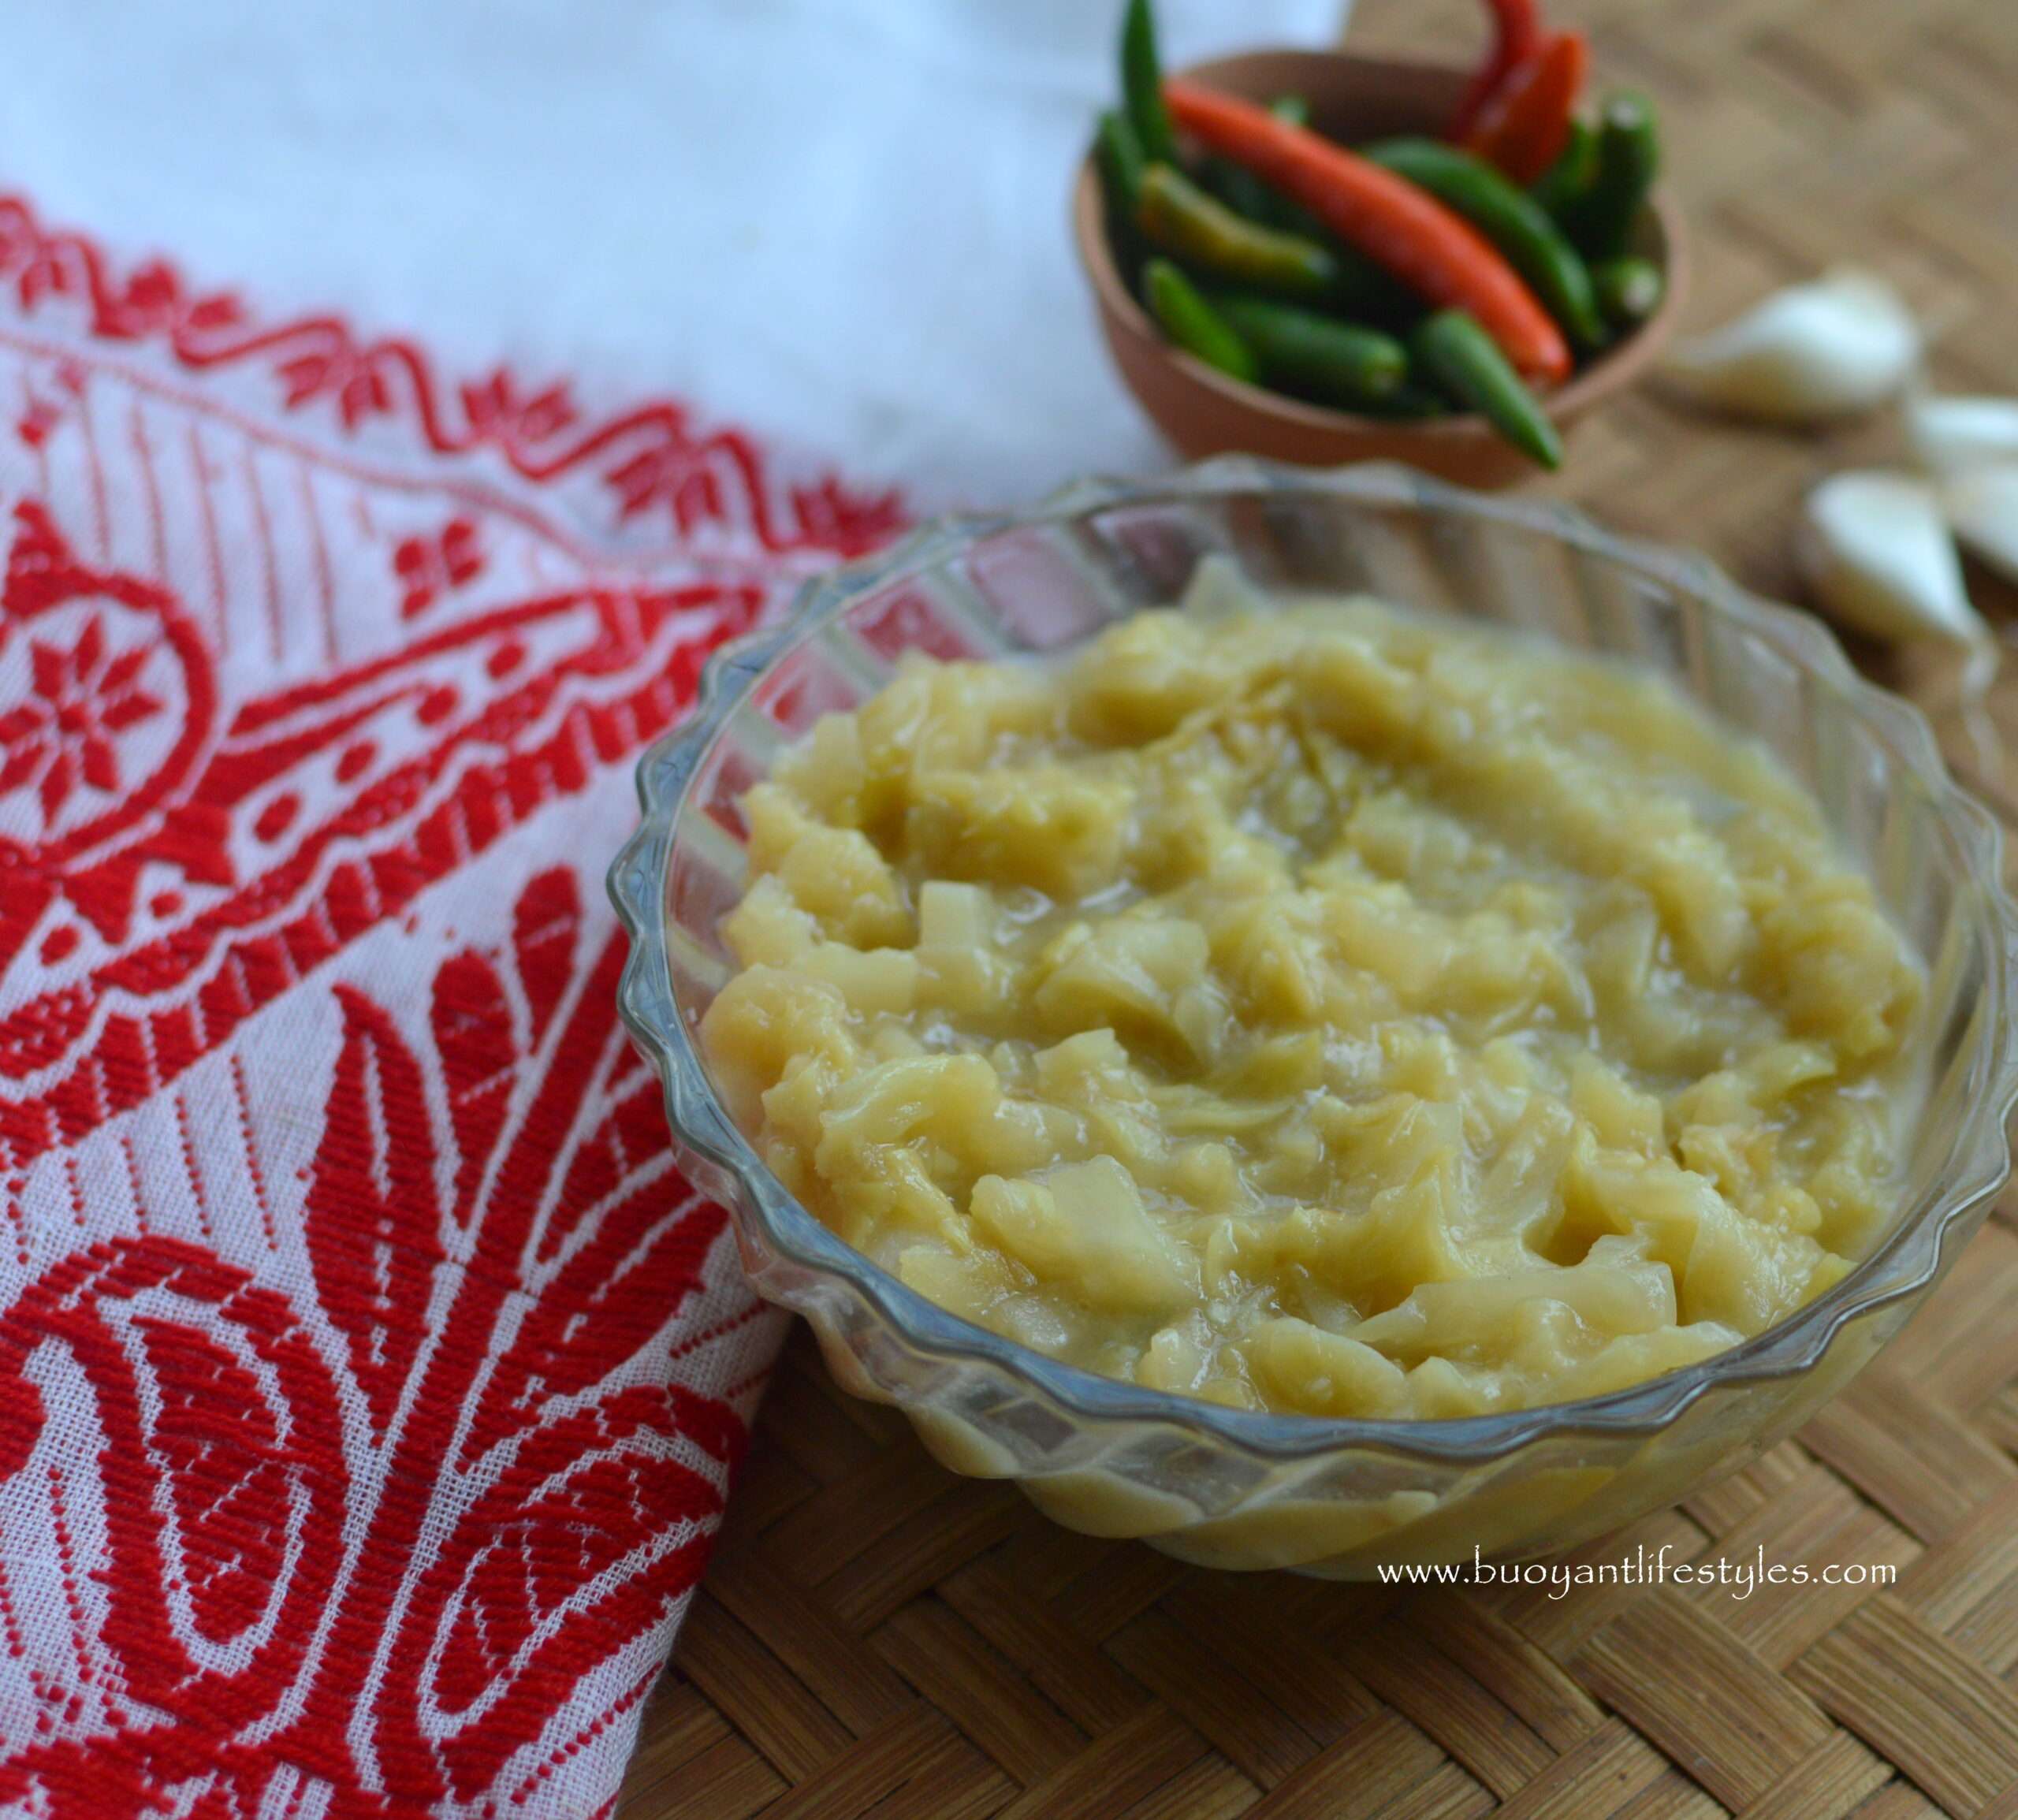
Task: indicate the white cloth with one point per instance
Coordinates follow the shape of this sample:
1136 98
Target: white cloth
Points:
841 223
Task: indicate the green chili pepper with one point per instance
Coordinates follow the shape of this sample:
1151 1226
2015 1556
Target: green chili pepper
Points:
1361 289
1192 324
1117 153
1142 82
1332 362
1181 218
1570 175
1295 108
1629 290
1515 223
1452 350
1600 221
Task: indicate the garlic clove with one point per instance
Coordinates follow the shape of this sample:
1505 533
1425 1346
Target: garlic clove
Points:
1947 435
1982 509
1875 549
1843 344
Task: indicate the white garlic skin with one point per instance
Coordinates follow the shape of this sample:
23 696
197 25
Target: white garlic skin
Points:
1953 435
1875 548
1982 509
1814 352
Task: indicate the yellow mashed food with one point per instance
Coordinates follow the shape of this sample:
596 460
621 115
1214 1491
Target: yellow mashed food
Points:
1318 1008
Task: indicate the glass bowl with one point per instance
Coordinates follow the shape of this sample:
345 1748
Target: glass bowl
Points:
1239 1488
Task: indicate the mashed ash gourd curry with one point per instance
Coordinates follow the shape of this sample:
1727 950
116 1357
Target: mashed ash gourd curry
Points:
1317 1008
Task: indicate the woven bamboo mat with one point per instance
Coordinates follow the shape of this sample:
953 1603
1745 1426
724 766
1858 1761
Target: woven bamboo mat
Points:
875 1636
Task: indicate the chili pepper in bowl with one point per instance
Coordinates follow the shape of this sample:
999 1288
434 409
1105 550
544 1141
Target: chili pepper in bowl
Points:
1190 320
1628 159
1122 163
1454 351
1406 229
1629 290
1524 126
1176 215
1515 223
1319 357
1118 154
1517 30
1141 82
1572 173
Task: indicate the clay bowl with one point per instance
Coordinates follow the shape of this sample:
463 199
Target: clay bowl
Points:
1352 98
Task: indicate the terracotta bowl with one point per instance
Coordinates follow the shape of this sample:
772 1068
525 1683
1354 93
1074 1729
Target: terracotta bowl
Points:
1352 98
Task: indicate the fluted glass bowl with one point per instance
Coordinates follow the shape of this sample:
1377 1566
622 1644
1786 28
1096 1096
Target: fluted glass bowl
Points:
1239 1488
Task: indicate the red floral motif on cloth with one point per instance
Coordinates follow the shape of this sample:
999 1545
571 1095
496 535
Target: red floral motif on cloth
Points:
370 1379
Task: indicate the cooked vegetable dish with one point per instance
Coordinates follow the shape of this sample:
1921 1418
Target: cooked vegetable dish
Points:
1314 1007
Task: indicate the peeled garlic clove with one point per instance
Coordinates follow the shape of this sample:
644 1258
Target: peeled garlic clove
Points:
1843 344
1876 551
1982 511
1948 435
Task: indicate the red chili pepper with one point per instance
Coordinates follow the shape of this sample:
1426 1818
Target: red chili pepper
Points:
1524 125
1516 31
1406 229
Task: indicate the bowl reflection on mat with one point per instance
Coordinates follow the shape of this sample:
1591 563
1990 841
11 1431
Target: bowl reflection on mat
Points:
1241 1488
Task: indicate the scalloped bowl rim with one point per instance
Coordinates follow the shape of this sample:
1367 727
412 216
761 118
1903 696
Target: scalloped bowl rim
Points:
665 771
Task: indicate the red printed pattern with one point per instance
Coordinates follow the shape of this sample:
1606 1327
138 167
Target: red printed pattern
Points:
369 1381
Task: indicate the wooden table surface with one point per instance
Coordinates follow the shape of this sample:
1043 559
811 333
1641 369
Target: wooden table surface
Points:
877 1636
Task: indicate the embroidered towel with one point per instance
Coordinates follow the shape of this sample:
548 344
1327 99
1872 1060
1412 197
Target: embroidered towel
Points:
369 1381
